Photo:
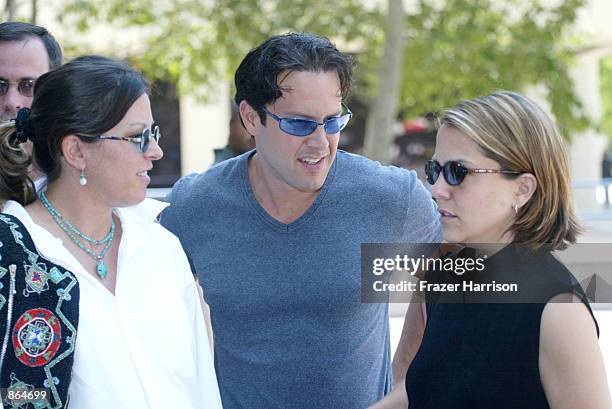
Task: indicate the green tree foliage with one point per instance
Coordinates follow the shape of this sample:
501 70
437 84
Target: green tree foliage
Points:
454 48
199 42
467 48
606 98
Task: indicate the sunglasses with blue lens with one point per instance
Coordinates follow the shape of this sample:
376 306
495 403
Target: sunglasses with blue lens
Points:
304 127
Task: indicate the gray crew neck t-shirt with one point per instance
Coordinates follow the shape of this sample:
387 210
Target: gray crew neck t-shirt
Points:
289 326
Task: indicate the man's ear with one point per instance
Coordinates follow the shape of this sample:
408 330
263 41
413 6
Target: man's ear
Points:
250 117
527 185
73 152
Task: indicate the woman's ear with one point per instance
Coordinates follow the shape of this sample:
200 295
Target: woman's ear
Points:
250 117
73 152
527 185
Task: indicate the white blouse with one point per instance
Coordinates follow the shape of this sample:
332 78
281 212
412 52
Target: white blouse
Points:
146 346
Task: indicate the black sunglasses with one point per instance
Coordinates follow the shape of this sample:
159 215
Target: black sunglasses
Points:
454 172
24 87
304 127
142 140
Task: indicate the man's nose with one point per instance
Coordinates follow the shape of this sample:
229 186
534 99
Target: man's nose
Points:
318 138
13 101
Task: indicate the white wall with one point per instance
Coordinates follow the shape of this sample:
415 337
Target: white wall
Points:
204 127
587 147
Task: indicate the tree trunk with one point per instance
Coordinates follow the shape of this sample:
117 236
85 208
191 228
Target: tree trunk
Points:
382 116
34 11
10 10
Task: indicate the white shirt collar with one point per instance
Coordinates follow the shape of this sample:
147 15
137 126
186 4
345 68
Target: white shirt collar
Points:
144 213
135 222
40 184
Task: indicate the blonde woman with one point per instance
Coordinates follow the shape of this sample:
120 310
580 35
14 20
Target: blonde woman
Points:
500 175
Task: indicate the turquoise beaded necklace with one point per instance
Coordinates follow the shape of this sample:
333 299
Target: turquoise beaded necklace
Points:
73 232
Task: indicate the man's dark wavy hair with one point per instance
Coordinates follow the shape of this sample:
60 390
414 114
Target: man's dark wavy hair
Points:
257 80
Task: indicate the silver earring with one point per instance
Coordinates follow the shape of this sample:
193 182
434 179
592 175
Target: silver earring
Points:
516 208
82 178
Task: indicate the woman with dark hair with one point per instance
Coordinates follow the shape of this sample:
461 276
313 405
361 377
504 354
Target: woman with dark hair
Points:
140 341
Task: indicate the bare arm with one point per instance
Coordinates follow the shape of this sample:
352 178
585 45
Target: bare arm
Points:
414 323
571 365
397 399
410 340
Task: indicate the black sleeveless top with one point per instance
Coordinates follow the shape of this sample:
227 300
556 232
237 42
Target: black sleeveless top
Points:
483 353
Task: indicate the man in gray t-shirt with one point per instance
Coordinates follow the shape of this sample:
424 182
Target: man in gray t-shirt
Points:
275 236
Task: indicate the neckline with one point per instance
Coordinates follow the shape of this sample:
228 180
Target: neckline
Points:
53 249
264 215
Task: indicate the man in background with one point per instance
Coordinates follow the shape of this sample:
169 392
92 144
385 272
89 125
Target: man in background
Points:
239 141
27 51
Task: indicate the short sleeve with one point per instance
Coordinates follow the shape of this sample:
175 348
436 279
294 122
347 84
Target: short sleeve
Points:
422 221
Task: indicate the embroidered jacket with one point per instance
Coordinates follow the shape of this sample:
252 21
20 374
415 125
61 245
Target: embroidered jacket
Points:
39 314
145 345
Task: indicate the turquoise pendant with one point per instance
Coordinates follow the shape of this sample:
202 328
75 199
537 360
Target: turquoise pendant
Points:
101 269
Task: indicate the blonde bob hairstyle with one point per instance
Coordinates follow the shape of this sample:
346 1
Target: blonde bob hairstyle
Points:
516 133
